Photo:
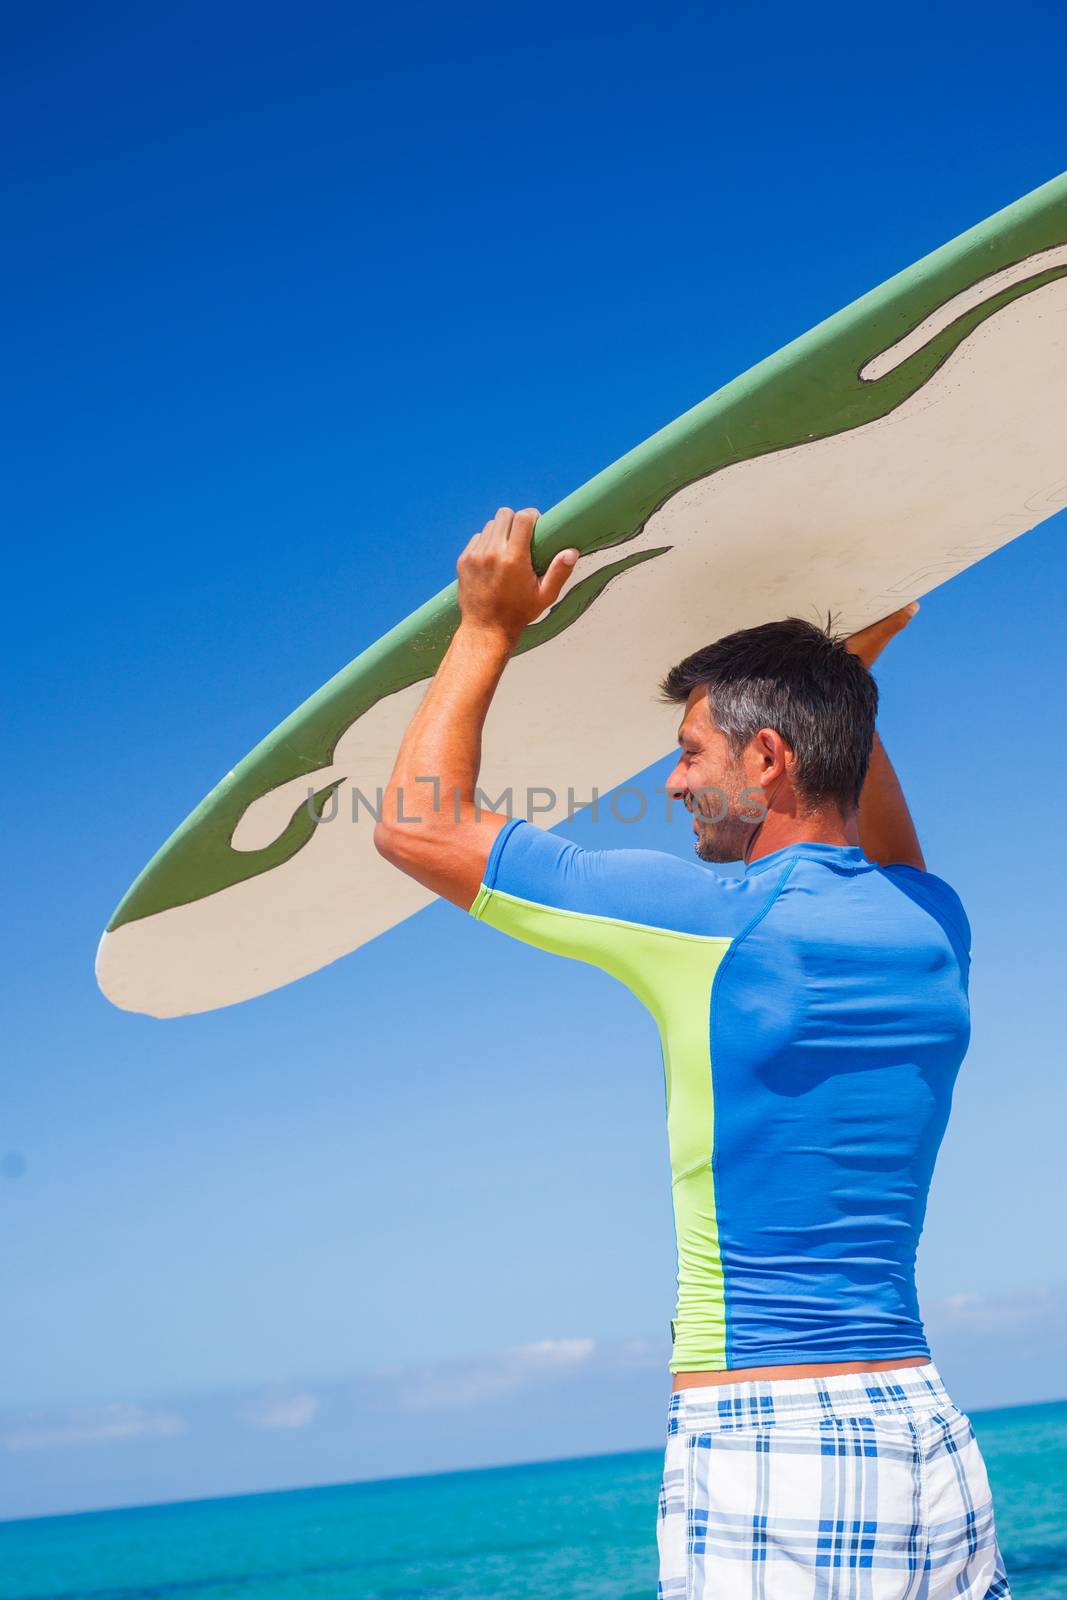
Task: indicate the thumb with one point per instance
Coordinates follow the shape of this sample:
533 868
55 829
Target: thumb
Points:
558 572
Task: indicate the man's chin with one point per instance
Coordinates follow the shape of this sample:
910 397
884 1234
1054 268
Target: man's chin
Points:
711 848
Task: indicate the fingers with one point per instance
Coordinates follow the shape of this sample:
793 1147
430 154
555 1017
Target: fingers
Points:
898 619
522 527
559 571
869 642
497 579
507 530
495 531
508 534
513 530
483 540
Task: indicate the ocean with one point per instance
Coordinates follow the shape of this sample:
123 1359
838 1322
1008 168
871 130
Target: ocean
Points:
556 1530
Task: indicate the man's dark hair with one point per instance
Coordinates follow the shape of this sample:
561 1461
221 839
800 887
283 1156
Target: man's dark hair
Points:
800 679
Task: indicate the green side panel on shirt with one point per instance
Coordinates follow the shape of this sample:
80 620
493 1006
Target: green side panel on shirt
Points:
672 975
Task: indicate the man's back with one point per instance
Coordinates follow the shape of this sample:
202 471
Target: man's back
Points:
813 1016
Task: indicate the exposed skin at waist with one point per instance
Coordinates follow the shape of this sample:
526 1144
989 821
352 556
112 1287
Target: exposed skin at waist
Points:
819 1369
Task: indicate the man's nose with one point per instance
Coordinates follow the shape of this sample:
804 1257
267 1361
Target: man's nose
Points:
676 785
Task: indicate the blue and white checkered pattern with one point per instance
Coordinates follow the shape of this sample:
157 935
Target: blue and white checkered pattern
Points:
856 1486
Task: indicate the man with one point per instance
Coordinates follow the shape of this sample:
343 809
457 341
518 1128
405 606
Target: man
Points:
813 1015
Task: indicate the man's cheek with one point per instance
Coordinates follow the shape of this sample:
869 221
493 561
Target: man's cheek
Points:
753 807
711 802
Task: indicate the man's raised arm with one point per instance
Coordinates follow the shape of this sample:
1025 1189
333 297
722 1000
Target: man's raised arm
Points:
431 827
885 830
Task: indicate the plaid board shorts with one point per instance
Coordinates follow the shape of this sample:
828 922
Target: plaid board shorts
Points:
855 1486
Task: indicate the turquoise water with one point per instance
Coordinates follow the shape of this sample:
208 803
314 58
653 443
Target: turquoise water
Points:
583 1530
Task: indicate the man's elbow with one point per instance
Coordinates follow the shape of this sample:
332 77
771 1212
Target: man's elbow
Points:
404 845
387 841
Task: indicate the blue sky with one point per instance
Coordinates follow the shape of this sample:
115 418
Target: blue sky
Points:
295 304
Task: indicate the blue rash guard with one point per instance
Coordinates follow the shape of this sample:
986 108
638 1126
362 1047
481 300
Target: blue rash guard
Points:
813 1016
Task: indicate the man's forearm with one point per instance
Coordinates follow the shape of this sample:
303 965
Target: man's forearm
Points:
430 826
885 829
436 769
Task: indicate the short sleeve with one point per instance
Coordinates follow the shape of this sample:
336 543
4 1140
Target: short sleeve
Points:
940 900
638 914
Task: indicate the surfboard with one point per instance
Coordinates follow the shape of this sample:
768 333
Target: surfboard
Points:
873 458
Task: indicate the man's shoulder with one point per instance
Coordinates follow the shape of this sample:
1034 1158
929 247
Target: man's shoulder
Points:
654 888
937 896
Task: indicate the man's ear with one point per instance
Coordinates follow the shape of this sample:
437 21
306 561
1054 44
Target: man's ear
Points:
790 757
773 750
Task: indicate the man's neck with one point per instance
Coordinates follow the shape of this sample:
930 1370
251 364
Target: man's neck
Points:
777 831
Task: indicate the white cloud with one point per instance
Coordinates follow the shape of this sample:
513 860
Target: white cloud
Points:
555 1352
90 1425
457 1384
1021 1311
282 1411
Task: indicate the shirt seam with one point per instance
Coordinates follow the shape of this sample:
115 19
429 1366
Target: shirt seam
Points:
863 864
963 934
486 893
